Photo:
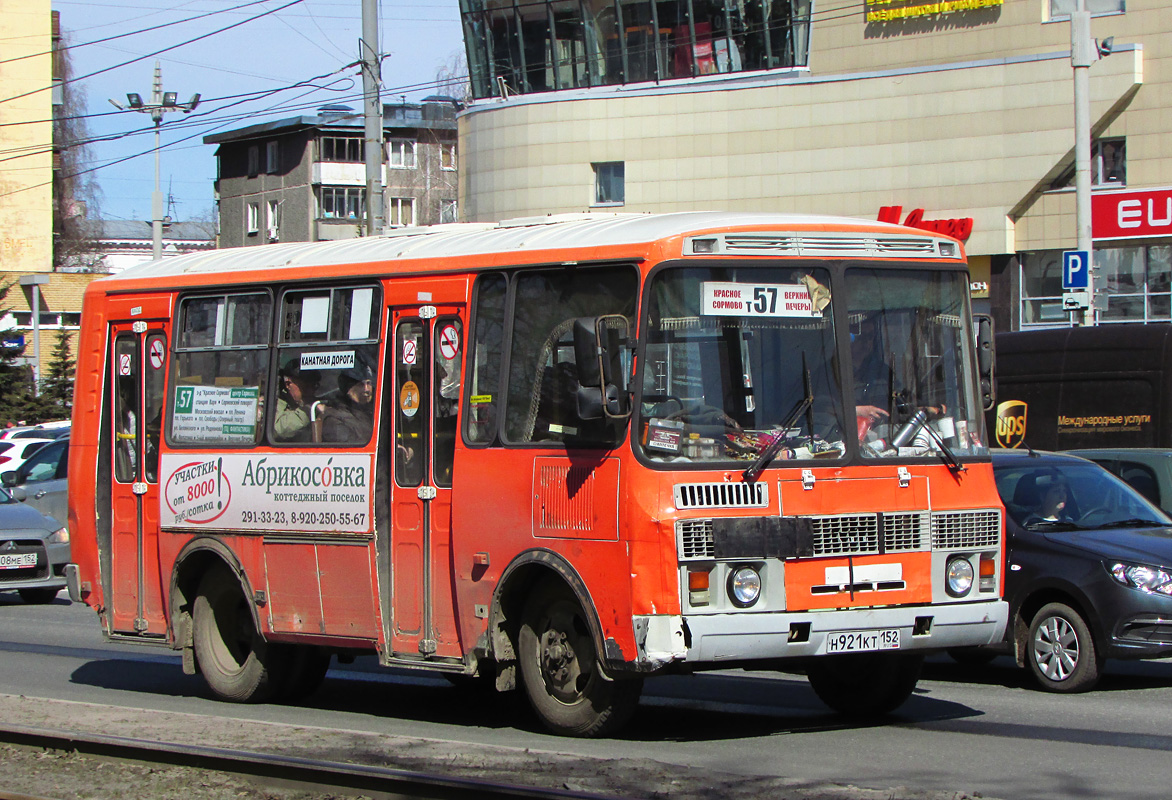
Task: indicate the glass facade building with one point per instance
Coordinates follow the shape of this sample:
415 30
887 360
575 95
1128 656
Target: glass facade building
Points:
517 47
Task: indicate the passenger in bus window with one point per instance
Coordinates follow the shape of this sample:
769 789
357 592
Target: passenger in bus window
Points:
872 374
350 418
294 399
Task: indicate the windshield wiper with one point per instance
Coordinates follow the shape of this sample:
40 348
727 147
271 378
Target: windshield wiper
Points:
1134 522
945 453
773 448
1052 525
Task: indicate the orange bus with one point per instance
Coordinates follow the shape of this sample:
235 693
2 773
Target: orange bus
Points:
561 453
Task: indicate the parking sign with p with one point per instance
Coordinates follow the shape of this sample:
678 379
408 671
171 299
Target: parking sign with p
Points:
1075 270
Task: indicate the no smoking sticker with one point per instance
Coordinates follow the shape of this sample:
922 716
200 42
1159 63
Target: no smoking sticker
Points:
157 353
409 351
449 342
124 364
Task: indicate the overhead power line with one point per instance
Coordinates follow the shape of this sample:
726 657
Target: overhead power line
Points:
159 51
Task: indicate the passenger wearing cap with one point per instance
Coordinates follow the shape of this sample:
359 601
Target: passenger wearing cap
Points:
351 417
294 400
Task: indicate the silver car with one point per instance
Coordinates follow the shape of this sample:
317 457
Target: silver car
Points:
34 550
41 480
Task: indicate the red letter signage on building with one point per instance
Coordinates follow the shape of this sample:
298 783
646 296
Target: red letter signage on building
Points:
957 228
1131 215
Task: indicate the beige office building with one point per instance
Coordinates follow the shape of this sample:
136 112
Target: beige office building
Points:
961 108
26 138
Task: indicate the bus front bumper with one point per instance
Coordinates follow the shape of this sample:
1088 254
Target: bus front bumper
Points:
715 638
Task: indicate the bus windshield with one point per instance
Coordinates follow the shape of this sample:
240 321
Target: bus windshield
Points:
739 358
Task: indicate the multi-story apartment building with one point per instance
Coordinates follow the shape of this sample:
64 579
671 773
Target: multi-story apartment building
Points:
303 179
957 112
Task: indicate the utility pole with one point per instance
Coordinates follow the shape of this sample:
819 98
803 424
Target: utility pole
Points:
1082 55
373 117
161 102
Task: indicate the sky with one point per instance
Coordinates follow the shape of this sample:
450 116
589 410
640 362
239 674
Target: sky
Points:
285 63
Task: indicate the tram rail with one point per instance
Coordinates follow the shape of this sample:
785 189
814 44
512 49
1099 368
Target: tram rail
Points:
288 772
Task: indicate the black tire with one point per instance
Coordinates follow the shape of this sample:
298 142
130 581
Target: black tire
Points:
1060 650
303 670
972 656
38 597
863 685
560 672
235 661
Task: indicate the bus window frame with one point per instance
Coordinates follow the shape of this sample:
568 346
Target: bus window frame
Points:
178 351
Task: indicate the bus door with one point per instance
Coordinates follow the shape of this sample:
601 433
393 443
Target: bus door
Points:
135 396
428 353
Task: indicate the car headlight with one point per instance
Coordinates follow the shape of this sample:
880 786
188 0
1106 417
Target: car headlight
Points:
1146 579
59 537
744 586
958 576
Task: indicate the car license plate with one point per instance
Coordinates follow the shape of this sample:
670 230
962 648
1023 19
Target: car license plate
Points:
862 641
17 560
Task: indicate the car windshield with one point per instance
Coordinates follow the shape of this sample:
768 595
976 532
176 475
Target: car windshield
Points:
1071 496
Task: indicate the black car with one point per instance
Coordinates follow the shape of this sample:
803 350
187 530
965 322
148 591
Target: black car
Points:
1089 568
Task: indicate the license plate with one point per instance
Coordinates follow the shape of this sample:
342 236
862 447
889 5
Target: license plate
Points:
862 641
17 560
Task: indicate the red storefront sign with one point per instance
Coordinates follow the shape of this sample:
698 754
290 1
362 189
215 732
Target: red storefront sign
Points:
1131 215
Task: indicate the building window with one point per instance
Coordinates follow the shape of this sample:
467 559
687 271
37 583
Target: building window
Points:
400 211
448 156
272 157
1060 9
343 202
1108 165
253 160
609 183
345 149
448 211
274 209
1135 286
253 221
401 153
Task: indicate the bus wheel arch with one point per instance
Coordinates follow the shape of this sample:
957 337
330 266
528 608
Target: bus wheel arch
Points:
519 579
554 639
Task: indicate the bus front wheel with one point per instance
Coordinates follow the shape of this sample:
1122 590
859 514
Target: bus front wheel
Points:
234 659
864 684
560 672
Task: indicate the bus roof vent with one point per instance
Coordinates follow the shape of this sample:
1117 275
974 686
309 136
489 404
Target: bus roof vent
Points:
721 495
813 244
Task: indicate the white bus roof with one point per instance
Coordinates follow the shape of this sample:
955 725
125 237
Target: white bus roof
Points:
553 232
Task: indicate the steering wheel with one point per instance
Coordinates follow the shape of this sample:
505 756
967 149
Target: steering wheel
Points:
703 414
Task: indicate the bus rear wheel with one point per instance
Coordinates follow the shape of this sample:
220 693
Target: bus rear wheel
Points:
865 684
234 659
560 671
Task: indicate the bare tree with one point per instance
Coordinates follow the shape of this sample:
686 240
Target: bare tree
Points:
451 79
76 196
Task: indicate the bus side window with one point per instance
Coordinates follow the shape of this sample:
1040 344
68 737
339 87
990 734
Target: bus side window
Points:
487 354
221 357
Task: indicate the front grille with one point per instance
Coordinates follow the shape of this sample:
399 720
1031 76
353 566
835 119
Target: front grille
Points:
695 538
859 534
966 530
40 570
905 532
721 495
856 534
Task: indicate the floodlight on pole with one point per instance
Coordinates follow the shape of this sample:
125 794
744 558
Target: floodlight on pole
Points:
161 102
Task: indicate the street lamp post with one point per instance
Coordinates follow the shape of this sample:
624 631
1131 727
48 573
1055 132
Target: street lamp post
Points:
161 102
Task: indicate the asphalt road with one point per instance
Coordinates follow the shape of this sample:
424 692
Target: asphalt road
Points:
979 731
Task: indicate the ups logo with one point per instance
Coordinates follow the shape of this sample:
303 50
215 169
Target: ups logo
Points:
1011 423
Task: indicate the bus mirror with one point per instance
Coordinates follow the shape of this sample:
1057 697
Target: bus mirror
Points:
986 358
591 403
586 354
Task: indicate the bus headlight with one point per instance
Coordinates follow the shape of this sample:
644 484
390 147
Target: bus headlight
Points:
744 586
958 576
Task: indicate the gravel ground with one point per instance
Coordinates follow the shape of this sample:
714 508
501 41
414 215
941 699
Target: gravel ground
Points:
69 775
